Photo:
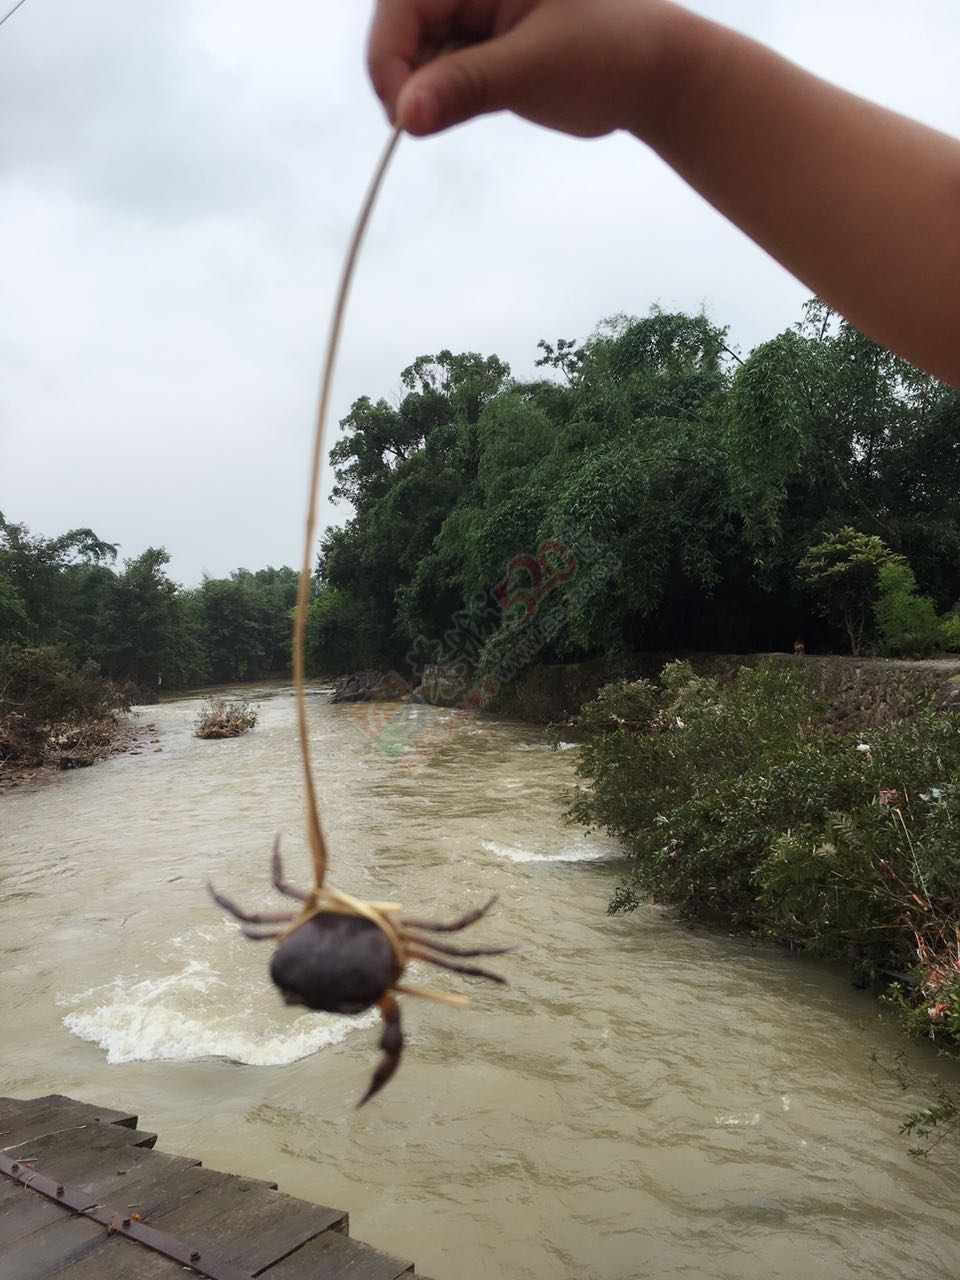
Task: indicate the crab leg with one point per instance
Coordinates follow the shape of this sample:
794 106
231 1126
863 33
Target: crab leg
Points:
455 926
447 949
279 883
249 917
391 1042
474 970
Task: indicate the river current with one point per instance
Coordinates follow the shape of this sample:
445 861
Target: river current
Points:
643 1100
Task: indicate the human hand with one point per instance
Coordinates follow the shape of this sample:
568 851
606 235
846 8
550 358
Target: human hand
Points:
586 67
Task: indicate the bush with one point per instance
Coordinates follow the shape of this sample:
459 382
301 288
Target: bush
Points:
881 870
907 624
842 572
222 719
950 630
695 790
742 803
45 696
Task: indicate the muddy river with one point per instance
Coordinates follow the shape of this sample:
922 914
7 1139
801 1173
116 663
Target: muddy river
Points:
643 1100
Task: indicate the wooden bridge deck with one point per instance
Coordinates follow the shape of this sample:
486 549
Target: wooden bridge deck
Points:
83 1196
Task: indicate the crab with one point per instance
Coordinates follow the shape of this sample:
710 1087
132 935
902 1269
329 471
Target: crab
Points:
339 954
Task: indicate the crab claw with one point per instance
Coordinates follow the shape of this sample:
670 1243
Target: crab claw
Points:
391 1042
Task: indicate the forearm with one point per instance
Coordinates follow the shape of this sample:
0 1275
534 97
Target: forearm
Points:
861 204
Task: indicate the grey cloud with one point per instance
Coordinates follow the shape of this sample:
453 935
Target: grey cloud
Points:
123 104
177 183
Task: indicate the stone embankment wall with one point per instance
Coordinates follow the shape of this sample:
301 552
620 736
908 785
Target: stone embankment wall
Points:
864 692
443 686
860 692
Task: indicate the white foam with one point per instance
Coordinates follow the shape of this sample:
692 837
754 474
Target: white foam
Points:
573 853
193 1014
747 1119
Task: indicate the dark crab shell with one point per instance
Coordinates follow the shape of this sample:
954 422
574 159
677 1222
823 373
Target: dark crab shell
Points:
335 963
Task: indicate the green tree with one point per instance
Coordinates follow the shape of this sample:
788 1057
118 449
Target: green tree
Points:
345 633
842 571
42 572
143 626
13 612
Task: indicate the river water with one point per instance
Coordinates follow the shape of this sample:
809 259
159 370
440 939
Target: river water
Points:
643 1100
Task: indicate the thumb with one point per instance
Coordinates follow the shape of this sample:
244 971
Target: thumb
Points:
456 87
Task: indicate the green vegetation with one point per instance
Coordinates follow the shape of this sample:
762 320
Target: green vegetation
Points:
843 573
853 575
741 802
710 479
950 629
907 623
135 623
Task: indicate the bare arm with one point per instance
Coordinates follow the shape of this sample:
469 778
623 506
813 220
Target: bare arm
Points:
859 203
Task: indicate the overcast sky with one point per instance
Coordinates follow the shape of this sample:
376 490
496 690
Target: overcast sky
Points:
178 179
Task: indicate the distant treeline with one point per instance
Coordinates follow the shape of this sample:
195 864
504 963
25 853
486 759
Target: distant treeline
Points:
705 475
133 623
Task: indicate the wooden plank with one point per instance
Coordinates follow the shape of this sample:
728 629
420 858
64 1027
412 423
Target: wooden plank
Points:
46 1116
37 1121
115 1223
250 1226
88 1151
101 1161
336 1257
22 1212
160 1197
126 1259
45 1253
86 1111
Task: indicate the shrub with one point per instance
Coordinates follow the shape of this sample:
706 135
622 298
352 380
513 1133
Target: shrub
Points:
223 719
44 696
744 805
907 623
881 869
950 630
694 792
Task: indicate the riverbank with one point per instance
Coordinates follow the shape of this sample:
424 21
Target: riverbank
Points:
80 747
